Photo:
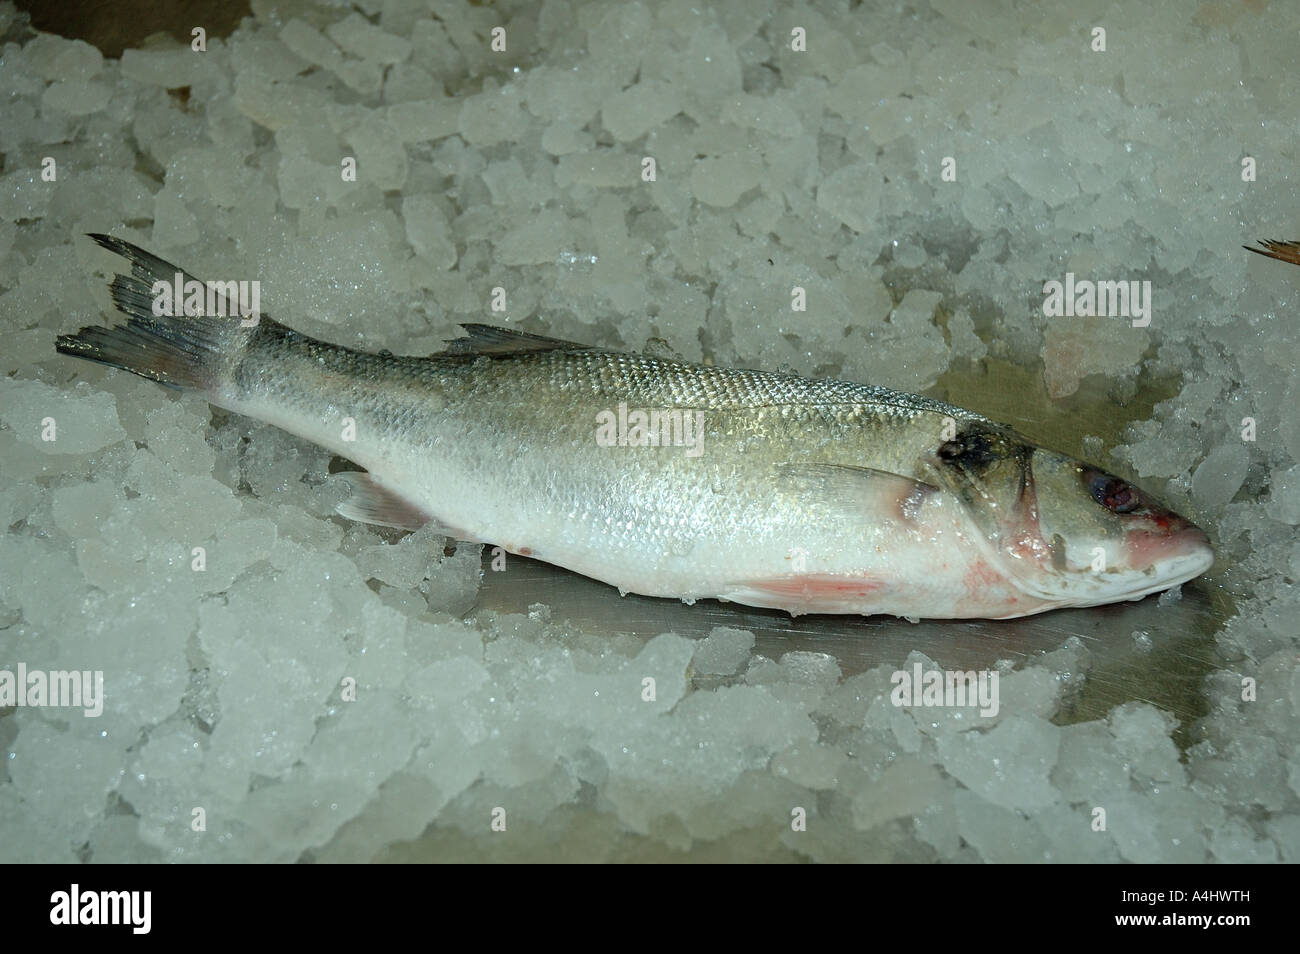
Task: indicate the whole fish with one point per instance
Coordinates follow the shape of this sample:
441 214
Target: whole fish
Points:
677 480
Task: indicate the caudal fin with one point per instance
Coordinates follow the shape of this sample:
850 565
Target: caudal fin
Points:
1282 251
184 351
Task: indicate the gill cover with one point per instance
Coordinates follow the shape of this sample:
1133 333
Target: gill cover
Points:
989 469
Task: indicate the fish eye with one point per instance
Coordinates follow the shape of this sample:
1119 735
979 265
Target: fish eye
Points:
1114 494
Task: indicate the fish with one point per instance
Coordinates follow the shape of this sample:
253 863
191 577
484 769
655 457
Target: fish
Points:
671 479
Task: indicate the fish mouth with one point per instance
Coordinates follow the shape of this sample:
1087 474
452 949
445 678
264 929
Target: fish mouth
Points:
1173 558
1166 561
1156 561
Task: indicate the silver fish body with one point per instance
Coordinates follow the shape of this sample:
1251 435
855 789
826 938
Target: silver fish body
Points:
759 488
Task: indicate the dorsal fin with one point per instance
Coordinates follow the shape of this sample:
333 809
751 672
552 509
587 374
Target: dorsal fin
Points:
491 340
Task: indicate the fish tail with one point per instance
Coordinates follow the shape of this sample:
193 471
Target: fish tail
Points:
178 350
1282 251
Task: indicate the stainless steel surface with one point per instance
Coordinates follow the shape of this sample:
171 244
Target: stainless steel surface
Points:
1166 671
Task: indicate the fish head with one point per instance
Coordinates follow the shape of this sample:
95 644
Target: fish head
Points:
1064 532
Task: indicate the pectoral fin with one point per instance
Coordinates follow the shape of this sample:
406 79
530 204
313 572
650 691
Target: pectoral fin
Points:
371 502
879 493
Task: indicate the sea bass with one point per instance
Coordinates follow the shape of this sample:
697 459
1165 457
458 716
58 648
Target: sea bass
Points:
677 480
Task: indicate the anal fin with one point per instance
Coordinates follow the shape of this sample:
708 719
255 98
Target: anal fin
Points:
800 593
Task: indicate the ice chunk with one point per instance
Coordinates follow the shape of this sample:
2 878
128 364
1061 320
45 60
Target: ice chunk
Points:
427 230
538 240
1235 843
599 168
965 341
1284 496
76 60
1009 764
1159 827
363 39
65 804
631 113
116 840
307 42
53 420
1142 737
453 587
404 564
491 117
425 120
852 195
168 68
1217 479
998 833
815 767
617 39
1076 347
1045 178
908 353
723 651
403 806
79 508
802 668
904 790
776 115
76 97
409 82
560 140
721 180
